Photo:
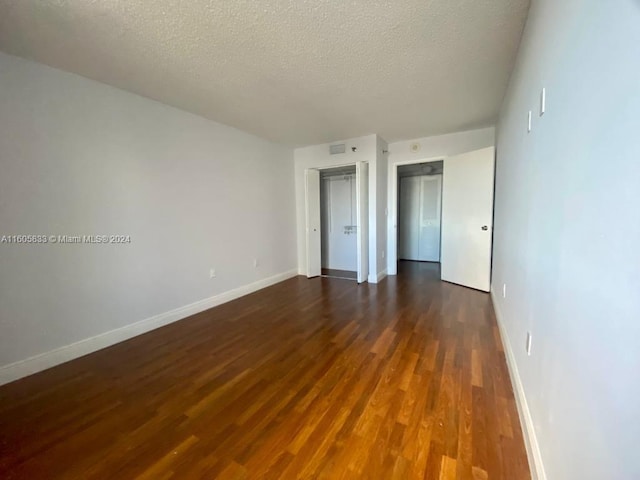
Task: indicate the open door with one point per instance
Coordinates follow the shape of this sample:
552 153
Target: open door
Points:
362 210
467 219
312 200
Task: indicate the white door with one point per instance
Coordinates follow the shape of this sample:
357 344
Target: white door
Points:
312 200
467 216
430 206
362 214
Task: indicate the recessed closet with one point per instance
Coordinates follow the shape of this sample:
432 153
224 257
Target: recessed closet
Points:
419 208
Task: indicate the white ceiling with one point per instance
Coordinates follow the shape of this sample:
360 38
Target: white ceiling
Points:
298 72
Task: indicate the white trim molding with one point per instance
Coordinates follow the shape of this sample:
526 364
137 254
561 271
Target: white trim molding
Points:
377 278
37 363
529 433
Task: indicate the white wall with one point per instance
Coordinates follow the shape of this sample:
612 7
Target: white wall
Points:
317 156
441 145
79 157
567 231
431 148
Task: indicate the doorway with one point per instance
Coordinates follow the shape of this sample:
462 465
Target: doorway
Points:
337 215
419 211
466 217
338 223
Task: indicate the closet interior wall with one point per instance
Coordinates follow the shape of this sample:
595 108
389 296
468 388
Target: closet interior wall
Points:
419 211
338 219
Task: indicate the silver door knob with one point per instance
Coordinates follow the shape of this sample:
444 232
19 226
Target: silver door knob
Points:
485 228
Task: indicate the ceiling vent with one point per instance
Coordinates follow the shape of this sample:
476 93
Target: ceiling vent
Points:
336 149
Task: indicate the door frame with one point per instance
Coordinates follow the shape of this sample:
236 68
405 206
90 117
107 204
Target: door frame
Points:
392 202
330 167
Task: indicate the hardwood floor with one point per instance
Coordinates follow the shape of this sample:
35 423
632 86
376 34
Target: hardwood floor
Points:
318 378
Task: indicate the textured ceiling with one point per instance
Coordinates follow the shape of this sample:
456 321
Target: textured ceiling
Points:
298 72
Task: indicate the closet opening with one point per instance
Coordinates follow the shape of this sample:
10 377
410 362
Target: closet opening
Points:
441 211
339 222
419 211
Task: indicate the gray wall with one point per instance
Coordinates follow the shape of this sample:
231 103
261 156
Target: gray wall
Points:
567 234
80 157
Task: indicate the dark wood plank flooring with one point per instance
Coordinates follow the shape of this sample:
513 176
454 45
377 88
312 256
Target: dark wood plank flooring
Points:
319 378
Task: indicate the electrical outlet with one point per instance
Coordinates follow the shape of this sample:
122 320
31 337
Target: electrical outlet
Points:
504 290
382 253
255 263
543 101
212 273
529 121
528 344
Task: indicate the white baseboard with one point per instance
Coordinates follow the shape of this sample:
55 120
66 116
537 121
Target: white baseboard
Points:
531 442
376 278
37 363
382 274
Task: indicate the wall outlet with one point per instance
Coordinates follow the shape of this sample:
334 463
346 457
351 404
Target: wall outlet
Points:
504 290
212 273
543 101
255 263
382 253
528 344
529 121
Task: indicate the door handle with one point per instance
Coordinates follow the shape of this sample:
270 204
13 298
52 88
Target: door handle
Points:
485 228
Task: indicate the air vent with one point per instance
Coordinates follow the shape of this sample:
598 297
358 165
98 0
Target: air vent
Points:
335 149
